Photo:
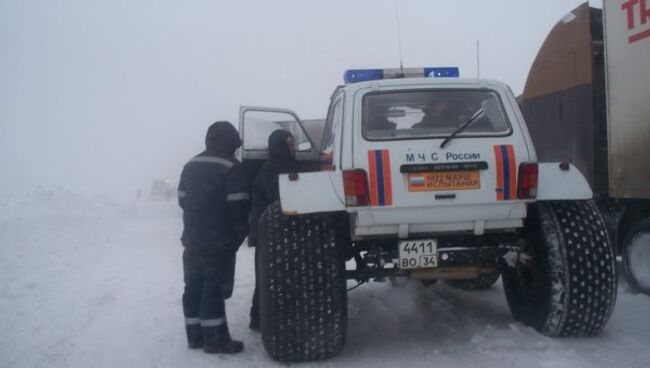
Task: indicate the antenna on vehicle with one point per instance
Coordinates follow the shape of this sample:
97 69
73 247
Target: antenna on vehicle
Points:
399 39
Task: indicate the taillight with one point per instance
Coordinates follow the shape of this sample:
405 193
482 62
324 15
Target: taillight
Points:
527 184
355 184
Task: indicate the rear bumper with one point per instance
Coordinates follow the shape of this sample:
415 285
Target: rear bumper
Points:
453 263
405 222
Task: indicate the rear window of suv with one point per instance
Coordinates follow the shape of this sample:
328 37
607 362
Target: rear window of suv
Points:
432 114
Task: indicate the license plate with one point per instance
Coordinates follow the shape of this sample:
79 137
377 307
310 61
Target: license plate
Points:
418 254
444 180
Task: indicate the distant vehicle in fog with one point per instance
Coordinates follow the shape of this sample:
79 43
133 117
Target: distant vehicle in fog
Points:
162 190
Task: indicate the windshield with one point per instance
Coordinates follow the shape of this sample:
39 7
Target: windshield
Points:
423 114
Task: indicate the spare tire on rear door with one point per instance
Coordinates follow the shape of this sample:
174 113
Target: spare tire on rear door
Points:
564 282
303 296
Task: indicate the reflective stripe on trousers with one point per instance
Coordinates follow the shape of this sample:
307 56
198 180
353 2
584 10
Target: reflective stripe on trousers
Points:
213 322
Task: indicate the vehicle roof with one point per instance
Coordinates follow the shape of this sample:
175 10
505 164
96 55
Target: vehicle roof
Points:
432 82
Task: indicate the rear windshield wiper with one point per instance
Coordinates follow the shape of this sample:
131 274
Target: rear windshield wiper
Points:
477 115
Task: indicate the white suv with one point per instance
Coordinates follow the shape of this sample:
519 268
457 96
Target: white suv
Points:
420 174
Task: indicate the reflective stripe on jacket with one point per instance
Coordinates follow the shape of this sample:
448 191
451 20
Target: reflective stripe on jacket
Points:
214 194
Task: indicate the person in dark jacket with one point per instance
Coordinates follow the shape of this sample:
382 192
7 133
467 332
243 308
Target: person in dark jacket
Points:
266 190
214 194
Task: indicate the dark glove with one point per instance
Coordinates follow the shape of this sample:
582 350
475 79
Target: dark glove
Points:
240 236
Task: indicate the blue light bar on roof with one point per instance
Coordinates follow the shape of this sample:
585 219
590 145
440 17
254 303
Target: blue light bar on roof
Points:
446 72
364 75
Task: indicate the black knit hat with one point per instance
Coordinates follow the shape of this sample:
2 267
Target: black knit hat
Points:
223 138
278 147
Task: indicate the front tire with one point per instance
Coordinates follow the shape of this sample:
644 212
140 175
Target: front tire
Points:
565 283
303 296
636 257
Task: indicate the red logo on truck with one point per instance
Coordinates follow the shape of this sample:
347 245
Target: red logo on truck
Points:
638 16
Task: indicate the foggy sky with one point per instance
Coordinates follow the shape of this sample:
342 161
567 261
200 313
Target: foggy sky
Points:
105 96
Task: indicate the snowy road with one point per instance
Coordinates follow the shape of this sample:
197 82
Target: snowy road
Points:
87 283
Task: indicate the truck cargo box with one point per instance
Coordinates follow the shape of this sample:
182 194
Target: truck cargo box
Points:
592 110
627 53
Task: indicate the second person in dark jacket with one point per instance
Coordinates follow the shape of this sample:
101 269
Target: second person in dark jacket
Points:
266 190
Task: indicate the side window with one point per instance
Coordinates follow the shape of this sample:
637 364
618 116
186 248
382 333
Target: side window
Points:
333 126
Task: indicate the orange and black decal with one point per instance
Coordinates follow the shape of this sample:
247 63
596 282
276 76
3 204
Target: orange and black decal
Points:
381 191
504 156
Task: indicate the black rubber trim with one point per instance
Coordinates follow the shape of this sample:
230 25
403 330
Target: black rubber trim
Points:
457 166
446 196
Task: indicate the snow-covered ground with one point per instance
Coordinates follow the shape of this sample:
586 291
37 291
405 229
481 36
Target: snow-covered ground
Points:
90 283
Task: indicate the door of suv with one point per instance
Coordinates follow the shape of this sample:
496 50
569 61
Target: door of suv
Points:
256 125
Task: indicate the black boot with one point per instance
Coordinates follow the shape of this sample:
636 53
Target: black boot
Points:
194 336
216 340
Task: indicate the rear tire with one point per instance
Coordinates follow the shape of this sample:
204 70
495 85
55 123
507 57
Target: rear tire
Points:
569 286
303 296
484 281
636 257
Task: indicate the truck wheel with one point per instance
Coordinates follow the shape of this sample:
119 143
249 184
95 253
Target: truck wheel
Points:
564 283
636 256
484 281
302 286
